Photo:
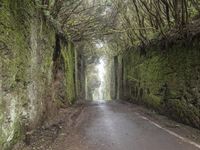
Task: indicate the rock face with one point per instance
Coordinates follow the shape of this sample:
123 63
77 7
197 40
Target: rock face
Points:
28 72
166 80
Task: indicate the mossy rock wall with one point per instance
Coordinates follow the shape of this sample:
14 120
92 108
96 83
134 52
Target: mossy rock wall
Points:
27 94
68 55
167 81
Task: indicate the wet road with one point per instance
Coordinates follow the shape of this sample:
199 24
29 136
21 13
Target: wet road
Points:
118 127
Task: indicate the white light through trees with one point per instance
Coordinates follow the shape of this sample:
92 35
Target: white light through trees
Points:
101 74
99 45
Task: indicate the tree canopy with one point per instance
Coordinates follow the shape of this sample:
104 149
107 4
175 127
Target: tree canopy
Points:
121 23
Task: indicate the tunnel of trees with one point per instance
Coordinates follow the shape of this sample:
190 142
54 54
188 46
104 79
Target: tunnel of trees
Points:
54 53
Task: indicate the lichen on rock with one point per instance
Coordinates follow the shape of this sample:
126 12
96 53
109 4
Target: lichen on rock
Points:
26 51
167 81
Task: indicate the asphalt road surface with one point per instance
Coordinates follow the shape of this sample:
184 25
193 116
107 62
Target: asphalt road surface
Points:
118 127
110 126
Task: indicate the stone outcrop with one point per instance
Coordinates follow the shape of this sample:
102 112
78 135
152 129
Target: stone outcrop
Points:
166 80
36 66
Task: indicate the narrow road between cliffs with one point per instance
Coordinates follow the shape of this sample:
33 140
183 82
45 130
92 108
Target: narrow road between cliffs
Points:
116 126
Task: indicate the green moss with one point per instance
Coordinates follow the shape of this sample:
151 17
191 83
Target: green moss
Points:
26 49
183 112
68 56
166 76
17 135
152 101
21 12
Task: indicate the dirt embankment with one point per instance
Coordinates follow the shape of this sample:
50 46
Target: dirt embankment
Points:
52 131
